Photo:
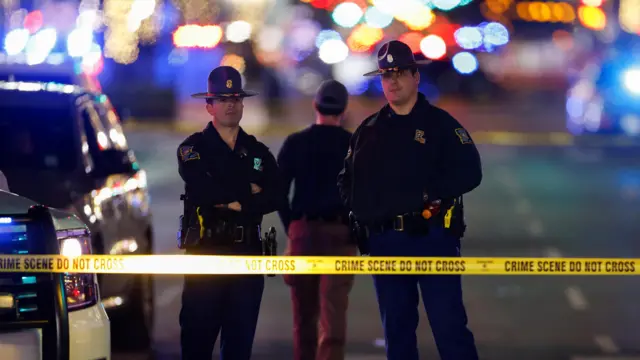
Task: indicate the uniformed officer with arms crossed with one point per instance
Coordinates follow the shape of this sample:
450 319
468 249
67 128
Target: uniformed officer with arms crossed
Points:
317 224
404 175
231 181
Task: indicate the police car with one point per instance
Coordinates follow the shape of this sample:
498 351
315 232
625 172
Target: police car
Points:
35 321
62 145
604 97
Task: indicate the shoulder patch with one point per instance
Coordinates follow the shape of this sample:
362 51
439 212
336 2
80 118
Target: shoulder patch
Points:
463 135
187 153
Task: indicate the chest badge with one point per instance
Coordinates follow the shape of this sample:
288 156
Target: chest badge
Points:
419 136
257 164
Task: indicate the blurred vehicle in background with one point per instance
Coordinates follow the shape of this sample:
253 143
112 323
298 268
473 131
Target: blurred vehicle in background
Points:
34 319
604 97
62 145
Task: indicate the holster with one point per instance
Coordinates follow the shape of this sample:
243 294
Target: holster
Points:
188 235
359 234
270 245
453 218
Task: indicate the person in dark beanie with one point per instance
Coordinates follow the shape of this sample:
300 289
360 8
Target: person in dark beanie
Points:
317 224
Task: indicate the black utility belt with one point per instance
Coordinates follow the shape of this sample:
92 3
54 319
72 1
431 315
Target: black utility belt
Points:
411 223
225 233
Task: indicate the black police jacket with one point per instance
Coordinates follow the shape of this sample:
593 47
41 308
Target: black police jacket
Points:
214 174
394 160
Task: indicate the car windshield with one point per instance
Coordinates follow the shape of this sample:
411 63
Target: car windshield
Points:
36 139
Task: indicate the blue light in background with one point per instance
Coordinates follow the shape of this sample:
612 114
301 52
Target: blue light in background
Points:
465 63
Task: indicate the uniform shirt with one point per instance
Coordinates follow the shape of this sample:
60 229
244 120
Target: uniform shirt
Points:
393 160
216 174
312 158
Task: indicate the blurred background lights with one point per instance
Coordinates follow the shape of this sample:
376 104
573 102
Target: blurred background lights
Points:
15 41
303 34
363 37
631 79
468 37
419 17
235 61
376 18
196 36
385 6
412 39
446 5
347 14
349 72
592 17
496 34
433 47
40 45
33 21
79 42
270 38
465 63
333 51
238 31
325 35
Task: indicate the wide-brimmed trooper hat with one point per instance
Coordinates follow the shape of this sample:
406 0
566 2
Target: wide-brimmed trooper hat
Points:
224 82
394 56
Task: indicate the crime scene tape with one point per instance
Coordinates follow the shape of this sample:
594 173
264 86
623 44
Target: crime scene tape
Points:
318 265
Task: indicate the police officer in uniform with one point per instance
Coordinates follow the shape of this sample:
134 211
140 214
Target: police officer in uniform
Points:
231 181
317 223
404 176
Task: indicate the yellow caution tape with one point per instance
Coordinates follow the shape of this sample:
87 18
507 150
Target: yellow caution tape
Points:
196 264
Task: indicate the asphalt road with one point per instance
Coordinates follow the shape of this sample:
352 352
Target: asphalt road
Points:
534 201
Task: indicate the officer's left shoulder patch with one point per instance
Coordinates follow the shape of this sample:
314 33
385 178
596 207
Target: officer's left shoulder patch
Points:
463 135
187 153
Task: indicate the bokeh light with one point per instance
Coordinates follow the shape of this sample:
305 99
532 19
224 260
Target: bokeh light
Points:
363 37
468 37
465 63
333 51
347 14
412 39
376 18
433 47
325 35
238 31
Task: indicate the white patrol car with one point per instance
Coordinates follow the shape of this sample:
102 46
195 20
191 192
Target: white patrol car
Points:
35 322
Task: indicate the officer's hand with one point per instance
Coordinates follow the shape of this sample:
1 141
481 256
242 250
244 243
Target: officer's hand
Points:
255 188
235 206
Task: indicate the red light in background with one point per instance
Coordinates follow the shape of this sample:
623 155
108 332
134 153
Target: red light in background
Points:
321 4
33 21
413 40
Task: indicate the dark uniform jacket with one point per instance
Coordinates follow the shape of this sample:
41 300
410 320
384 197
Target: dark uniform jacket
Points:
215 174
393 160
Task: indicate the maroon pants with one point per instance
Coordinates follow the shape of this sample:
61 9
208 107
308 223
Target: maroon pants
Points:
320 302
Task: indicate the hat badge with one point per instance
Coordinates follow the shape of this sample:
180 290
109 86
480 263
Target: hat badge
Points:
389 58
229 84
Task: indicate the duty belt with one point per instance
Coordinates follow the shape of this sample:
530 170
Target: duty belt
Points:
226 233
396 223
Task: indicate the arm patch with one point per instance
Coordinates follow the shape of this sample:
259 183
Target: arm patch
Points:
187 153
463 135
